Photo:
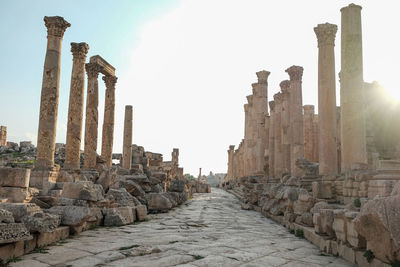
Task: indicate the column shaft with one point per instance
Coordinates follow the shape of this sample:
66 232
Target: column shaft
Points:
327 99
271 152
308 119
75 109
278 158
127 146
92 115
285 118
351 89
108 123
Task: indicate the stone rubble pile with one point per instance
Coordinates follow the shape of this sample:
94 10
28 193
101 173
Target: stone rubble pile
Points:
334 176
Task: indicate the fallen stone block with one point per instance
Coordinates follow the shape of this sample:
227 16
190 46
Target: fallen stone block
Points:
177 186
41 222
122 197
71 215
15 177
17 194
9 251
83 190
118 216
158 202
20 210
13 232
47 238
6 216
141 212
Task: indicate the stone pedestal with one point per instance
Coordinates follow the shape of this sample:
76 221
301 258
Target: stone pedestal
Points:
127 146
351 89
328 162
382 184
75 110
296 118
46 141
92 115
108 124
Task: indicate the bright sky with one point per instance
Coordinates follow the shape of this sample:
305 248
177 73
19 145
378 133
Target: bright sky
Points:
185 66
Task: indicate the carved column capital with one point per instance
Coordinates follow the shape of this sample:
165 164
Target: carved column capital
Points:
93 69
326 34
110 81
295 73
263 76
56 26
79 50
285 86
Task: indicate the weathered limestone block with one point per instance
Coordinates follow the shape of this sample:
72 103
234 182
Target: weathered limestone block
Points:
18 194
141 212
83 190
41 222
134 189
13 232
353 237
74 215
382 188
107 178
177 186
118 216
47 238
378 223
327 218
14 177
122 197
6 216
158 202
20 210
339 225
44 179
323 189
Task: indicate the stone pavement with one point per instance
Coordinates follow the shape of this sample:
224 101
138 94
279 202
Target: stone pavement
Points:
208 230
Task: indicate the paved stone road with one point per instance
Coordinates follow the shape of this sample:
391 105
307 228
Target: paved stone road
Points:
209 230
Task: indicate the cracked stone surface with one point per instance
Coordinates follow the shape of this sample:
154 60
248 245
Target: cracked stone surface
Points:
208 230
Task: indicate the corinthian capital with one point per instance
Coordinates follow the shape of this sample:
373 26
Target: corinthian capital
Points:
56 26
326 34
278 98
79 50
262 76
295 73
285 86
110 81
93 69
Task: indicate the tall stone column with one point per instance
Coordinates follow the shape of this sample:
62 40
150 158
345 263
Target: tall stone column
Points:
308 132
75 109
230 162
326 34
92 115
246 138
271 159
46 141
278 159
296 118
285 118
315 139
108 123
127 146
351 89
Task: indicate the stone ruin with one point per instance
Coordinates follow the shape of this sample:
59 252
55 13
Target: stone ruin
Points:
332 176
54 190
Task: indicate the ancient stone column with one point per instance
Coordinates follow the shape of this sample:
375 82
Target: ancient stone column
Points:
296 118
175 156
315 157
308 132
127 143
271 160
285 120
108 123
327 99
92 115
246 137
46 141
75 109
230 162
351 89
278 158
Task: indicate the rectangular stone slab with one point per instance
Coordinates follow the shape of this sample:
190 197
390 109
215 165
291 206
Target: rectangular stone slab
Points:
15 177
107 69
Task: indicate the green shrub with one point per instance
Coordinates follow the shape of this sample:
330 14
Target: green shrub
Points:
299 233
357 203
369 255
